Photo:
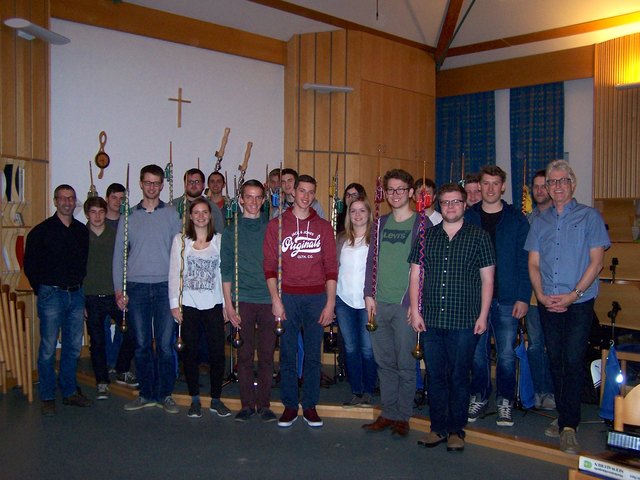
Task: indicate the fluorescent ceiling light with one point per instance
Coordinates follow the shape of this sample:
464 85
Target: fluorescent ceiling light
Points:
29 31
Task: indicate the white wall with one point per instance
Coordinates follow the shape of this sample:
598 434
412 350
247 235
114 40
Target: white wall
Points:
120 83
578 135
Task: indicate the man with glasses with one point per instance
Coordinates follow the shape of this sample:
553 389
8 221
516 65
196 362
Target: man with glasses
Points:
193 188
254 303
152 224
566 247
394 339
458 265
55 262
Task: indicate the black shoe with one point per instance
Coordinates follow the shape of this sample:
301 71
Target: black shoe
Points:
48 408
77 400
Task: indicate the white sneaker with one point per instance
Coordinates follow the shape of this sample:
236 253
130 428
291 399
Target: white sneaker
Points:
102 391
505 418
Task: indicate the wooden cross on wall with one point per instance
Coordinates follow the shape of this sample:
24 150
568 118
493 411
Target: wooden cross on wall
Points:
180 101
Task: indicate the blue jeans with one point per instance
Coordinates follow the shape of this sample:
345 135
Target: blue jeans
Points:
100 307
449 356
566 336
59 312
303 313
504 329
537 354
361 366
150 317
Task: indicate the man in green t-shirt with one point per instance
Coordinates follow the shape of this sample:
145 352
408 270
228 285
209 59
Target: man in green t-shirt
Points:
387 298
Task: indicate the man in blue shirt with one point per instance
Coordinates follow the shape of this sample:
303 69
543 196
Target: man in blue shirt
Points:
566 247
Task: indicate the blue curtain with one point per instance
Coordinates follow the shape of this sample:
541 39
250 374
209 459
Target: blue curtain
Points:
537 132
465 125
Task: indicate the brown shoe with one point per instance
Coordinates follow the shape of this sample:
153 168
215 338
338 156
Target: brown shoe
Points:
77 400
432 439
48 408
379 425
400 428
455 443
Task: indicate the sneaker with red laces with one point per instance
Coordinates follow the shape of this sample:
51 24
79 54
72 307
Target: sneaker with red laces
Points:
311 417
289 416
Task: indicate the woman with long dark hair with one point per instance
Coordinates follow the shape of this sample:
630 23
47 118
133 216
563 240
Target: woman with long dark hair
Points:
351 192
195 263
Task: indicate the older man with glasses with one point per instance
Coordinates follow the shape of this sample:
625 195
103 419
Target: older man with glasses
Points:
566 245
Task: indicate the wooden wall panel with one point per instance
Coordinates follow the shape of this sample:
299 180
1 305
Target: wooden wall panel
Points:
8 135
394 64
24 124
517 72
353 64
616 168
129 18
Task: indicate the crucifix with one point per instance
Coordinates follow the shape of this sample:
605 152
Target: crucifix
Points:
180 101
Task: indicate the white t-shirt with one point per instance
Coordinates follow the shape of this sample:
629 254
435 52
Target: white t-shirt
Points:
202 283
353 265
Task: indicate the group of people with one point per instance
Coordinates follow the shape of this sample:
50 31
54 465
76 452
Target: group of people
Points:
458 277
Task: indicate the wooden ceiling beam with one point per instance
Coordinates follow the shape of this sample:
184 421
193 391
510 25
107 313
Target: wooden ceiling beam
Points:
448 30
550 34
338 22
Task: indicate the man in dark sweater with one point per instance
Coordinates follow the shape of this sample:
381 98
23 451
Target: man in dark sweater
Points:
100 301
55 262
254 302
508 229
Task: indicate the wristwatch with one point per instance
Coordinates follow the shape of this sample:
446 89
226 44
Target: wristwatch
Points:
579 293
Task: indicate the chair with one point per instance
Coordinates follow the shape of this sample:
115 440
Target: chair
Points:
623 358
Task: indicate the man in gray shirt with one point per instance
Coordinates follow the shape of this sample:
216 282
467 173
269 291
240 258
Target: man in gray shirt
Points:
152 224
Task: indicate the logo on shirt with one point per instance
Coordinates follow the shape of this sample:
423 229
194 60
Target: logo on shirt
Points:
200 273
301 242
395 236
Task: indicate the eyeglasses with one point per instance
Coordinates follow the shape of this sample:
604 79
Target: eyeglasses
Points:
559 181
151 184
194 182
352 195
454 203
397 191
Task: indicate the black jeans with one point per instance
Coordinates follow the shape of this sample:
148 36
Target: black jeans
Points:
566 336
213 323
99 308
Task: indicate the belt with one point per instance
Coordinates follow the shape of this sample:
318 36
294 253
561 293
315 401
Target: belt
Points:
68 288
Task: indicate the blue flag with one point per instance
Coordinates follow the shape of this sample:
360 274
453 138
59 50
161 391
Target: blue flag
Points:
611 385
527 391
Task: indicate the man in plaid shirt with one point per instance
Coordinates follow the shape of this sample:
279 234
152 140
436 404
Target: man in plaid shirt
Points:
459 264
